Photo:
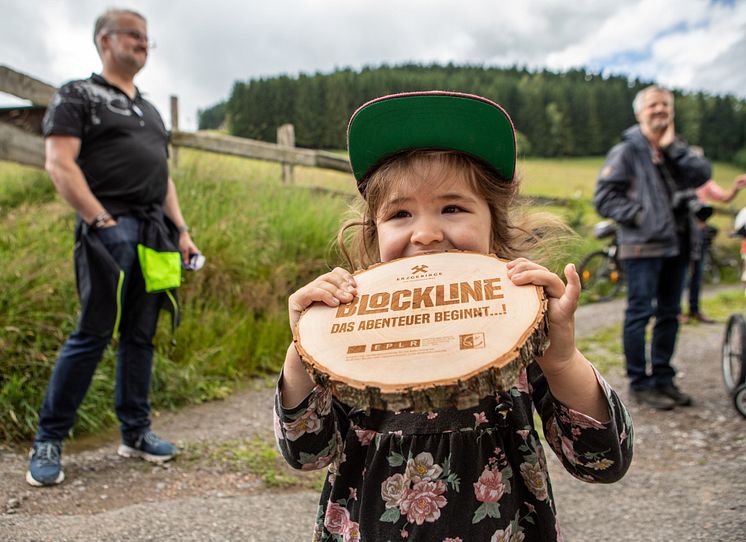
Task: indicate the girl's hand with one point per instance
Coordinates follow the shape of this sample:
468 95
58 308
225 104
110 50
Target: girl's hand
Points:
571 377
337 286
562 304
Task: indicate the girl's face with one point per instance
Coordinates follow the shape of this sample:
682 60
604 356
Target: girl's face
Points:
433 209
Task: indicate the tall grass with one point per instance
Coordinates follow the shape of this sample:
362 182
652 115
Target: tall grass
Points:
22 184
261 240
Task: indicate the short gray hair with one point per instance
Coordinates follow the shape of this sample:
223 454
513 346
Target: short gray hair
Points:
107 21
637 103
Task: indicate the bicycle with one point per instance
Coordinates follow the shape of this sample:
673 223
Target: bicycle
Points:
733 353
717 260
600 271
733 361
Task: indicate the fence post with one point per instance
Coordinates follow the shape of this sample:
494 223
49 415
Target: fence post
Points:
286 138
174 128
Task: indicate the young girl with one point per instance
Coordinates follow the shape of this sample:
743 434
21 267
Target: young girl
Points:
436 171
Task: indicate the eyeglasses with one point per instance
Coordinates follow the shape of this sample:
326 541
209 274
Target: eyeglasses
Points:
135 35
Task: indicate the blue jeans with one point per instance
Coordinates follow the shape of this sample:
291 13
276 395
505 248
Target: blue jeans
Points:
82 351
660 280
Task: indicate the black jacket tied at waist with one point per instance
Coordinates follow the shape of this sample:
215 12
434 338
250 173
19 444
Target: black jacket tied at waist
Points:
99 278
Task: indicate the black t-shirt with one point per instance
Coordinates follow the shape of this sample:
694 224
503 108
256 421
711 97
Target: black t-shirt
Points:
124 144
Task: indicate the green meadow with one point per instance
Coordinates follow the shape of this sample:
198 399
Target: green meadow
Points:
262 241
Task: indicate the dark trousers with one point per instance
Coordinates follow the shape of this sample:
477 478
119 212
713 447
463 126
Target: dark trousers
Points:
696 272
82 351
654 287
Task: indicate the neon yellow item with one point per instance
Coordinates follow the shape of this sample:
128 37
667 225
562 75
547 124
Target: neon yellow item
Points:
161 270
120 284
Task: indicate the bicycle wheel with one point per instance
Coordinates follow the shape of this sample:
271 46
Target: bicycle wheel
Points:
739 399
600 276
734 352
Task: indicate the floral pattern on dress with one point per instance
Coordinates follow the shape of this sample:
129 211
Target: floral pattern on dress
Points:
337 521
416 495
447 475
492 484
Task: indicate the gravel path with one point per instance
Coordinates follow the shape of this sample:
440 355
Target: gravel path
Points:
687 481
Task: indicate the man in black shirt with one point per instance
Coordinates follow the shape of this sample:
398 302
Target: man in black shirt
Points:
646 185
106 152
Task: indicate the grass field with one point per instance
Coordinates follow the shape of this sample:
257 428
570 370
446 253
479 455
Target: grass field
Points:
262 241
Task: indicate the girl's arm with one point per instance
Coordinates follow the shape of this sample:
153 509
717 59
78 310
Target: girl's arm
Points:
333 288
571 377
296 384
308 428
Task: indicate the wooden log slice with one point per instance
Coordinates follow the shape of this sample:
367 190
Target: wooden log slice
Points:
431 331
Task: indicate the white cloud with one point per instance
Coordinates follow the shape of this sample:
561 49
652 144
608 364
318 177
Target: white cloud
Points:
691 60
671 41
204 47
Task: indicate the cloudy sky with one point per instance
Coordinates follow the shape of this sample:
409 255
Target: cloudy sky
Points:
204 46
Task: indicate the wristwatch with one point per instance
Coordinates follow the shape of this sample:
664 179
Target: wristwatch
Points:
100 220
183 228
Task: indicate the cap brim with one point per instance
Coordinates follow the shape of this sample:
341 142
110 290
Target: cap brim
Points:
431 120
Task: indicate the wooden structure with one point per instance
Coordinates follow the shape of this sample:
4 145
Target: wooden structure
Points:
21 141
27 117
19 145
260 150
174 102
20 127
25 86
425 332
286 138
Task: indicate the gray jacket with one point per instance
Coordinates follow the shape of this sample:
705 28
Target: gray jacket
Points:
631 192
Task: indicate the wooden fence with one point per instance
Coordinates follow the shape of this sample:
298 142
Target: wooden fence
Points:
24 144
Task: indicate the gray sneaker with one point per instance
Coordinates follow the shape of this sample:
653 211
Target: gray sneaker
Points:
148 446
45 467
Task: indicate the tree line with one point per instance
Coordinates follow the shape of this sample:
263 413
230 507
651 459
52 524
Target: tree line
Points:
573 113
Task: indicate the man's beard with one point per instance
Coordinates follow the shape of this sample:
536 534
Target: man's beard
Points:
660 123
132 61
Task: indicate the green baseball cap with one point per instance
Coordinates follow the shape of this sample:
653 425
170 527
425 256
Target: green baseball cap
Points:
430 120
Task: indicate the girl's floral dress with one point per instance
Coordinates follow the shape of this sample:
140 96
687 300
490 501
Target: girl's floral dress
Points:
449 475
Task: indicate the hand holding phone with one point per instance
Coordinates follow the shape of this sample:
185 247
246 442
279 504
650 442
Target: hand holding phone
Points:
196 262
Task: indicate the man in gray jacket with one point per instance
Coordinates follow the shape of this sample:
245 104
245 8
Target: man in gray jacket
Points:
647 186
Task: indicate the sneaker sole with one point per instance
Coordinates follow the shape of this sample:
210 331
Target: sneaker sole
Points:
128 451
36 483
